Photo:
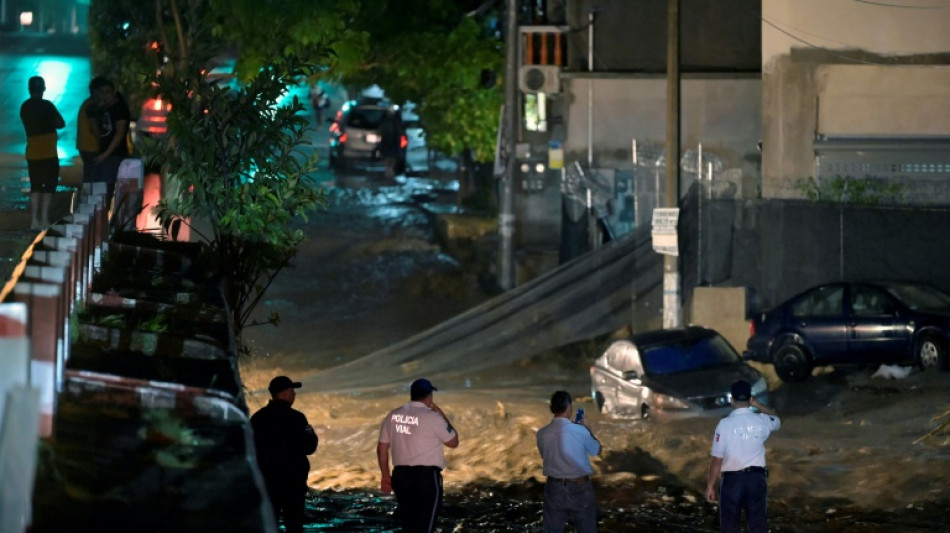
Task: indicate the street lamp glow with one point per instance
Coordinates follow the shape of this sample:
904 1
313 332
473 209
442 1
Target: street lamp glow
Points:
26 18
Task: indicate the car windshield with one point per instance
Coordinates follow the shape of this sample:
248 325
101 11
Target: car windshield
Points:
685 355
920 296
365 118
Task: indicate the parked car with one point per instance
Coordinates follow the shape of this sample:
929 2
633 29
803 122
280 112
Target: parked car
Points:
354 133
674 373
887 322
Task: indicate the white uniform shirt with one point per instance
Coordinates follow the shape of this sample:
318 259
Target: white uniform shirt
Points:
416 435
740 438
564 448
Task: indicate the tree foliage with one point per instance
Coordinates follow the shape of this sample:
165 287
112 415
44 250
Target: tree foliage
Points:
240 176
434 53
231 157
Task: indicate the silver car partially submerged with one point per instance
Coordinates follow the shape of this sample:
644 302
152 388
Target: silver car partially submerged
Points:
668 374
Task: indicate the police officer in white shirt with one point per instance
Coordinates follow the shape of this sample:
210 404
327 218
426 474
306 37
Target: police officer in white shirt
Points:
565 447
415 435
738 454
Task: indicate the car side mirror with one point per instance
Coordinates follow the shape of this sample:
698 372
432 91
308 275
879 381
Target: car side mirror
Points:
631 375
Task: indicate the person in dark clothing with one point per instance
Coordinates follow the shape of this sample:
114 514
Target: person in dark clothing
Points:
391 133
113 126
41 119
283 439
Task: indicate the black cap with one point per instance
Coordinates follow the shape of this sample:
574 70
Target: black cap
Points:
282 383
741 391
421 388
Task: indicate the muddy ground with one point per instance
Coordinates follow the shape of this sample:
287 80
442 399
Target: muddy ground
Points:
372 274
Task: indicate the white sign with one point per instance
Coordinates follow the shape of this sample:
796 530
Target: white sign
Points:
665 240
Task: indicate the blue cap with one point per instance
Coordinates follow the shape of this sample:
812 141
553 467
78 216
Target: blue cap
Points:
421 388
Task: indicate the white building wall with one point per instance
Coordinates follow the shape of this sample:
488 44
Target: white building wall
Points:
841 68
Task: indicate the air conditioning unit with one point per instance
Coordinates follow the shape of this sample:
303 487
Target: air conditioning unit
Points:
540 79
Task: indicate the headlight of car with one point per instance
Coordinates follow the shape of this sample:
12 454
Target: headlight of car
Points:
373 138
664 401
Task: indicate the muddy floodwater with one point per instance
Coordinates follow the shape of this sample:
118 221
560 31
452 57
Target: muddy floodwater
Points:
372 274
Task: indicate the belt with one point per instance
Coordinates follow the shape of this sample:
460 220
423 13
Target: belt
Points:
582 479
756 469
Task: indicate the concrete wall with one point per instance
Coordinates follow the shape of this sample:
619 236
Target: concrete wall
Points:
721 113
840 68
724 310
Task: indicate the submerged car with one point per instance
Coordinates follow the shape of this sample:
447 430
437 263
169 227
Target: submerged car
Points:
355 133
674 373
886 322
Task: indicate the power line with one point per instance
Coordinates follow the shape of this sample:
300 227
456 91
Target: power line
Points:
803 41
837 54
885 4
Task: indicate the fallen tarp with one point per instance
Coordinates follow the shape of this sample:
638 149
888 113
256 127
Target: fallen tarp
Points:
595 294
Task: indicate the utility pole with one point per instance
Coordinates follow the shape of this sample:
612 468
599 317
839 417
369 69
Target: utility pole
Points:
506 216
672 311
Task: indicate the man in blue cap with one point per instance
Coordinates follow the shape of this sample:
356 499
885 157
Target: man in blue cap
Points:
416 435
738 454
283 439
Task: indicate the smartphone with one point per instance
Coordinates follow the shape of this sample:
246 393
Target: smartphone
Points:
579 415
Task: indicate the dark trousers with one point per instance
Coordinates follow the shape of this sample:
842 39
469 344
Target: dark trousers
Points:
107 172
288 503
569 501
87 165
743 491
419 497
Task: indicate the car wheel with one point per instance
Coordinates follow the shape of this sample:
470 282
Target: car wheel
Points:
930 354
792 364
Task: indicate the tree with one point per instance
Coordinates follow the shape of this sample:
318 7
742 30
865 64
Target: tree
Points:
437 54
231 156
239 176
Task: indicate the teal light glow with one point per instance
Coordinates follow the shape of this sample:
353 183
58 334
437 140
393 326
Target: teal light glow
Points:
56 73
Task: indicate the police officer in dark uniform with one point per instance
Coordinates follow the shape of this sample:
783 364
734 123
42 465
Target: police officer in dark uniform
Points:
416 434
283 439
738 454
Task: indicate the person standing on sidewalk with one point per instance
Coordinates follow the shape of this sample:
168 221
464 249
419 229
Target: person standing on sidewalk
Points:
283 439
40 120
416 434
87 137
113 127
738 454
565 447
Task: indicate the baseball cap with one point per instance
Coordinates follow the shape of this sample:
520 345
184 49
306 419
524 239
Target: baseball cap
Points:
741 391
282 383
421 388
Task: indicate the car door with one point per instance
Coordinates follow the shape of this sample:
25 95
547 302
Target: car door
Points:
819 317
622 358
878 332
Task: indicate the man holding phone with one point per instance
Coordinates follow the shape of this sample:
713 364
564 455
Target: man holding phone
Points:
565 448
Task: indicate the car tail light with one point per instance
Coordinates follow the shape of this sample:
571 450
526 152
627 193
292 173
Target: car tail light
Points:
752 328
403 141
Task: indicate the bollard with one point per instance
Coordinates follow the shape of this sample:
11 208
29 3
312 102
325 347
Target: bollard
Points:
19 419
84 255
58 276
43 301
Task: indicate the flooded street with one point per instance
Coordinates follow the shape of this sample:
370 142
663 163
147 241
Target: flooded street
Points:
372 274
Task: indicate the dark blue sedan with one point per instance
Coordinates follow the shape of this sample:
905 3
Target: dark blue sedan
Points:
886 322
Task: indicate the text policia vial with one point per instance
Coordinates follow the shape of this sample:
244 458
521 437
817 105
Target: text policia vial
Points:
403 422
